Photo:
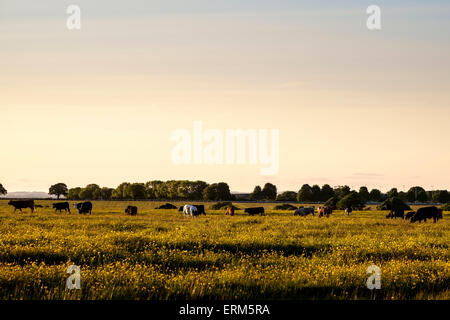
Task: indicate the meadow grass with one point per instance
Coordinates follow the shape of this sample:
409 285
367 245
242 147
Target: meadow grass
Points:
159 254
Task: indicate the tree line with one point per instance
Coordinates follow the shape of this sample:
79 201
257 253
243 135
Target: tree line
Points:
201 190
151 190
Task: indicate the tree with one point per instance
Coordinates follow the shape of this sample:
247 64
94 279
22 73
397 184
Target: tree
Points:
257 194
106 193
326 192
223 191
392 193
136 191
91 192
341 191
196 190
413 194
210 192
393 203
364 194
402 195
95 190
74 193
217 191
422 196
120 192
304 194
3 191
441 196
332 202
287 196
375 195
351 200
151 188
59 189
315 193
269 191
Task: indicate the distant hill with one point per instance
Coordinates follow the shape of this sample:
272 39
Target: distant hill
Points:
28 195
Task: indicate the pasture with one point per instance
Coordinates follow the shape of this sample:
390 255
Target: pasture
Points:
159 254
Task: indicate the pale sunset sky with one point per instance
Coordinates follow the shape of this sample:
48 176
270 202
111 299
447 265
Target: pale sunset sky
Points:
99 105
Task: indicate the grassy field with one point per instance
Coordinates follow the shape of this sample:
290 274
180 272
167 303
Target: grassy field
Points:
159 254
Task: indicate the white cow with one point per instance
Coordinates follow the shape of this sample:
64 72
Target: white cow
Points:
189 210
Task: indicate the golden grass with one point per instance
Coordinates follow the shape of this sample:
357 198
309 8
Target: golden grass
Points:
159 254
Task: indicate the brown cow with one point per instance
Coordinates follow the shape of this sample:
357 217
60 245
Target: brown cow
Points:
325 212
131 210
230 211
22 204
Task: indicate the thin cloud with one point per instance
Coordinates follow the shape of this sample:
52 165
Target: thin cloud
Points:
292 84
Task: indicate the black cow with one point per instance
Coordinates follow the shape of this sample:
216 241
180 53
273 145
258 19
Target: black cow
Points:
409 215
61 206
131 210
200 209
426 213
84 207
256 210
397 213
440 214
22 204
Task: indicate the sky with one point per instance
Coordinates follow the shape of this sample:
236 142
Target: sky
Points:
99 105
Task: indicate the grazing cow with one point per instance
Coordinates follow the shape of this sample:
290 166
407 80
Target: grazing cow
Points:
255 210
440 214
200 209
348 211
397 213
426 213
22 204
131 210
325 211
84 207
409 215
61 206
304 211
230 211
189 210
180 209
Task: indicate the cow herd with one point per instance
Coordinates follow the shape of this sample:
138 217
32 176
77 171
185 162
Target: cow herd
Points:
82 207
422 214
325 211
